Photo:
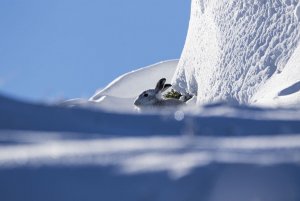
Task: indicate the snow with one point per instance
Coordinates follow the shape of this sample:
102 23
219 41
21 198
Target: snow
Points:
234 47
211 153
17 115
119 95
131 84
282 89
297 12
135 155
217 152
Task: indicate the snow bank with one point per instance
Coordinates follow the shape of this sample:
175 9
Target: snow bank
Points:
143 154
234 47
120 94
217 153
131 84
17 115
282 89
75 167
128 86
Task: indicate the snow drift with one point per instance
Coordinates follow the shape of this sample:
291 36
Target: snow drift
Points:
234 47
217 153
131 84
119 95
74 167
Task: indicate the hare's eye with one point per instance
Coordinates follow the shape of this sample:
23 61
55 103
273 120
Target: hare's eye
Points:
145 95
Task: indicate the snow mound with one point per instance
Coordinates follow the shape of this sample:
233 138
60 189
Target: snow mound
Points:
234 121
228 152
131 84
119 95
234 47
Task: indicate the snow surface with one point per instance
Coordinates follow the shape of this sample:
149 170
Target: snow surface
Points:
131 84
124 89
119 95
297 12
216 153
177 155
234 47
282 89
62 166
211 153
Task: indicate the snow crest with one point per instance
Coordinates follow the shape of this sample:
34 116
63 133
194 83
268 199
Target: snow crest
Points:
131 84
234 47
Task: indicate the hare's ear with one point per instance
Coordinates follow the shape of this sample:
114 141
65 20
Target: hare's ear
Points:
166 86
160 85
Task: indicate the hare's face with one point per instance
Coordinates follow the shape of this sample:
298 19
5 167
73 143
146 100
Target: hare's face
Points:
149 97
152 96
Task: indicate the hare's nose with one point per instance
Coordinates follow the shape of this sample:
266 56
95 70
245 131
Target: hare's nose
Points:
136 102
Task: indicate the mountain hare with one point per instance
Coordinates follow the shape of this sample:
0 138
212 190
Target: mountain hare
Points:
153 97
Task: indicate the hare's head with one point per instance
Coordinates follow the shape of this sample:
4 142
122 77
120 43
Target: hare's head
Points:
152 96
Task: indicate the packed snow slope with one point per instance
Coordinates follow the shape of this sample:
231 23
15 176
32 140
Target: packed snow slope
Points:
131 84
124 89
120 94
101 151
235 47
282 89
237 120
215 153
48 166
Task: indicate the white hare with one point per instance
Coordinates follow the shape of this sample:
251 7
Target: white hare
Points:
153 97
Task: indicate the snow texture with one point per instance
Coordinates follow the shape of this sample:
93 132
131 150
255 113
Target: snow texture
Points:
234 47
235 121
216 153
282 89
131 84
297 12
120 94
61 166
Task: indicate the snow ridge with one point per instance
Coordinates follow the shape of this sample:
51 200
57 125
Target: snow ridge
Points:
131 84
234 47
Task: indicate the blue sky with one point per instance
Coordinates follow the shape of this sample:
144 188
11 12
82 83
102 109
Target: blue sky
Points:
69 48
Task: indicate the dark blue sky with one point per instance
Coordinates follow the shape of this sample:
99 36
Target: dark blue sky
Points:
69 48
